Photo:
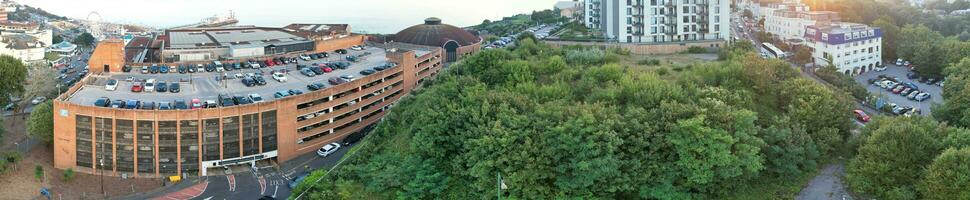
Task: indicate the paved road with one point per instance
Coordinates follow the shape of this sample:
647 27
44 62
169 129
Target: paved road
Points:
827 185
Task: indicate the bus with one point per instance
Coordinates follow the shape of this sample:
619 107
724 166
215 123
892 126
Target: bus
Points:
772 51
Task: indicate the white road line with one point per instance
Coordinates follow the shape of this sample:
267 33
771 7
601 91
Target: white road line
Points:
274 191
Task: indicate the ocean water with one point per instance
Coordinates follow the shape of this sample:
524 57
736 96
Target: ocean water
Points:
368 16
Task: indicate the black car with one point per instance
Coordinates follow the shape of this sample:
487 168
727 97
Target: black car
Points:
249 81
341 51
380 68
236 66
174 87
260 80
323 55
126 68
242 100
102 102
183 69
181 105
161 87
226 100
316 70
118 103
300 66
315 86
314 57
367 72
295 92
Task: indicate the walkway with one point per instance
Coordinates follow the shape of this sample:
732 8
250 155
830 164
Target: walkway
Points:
187 193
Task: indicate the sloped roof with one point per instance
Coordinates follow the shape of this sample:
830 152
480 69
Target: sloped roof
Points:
434 33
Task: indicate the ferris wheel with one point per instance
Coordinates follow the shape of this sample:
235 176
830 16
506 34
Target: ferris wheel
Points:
94 24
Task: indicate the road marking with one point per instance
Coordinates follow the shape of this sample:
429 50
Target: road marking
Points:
274 191
262 185
207 198
232 182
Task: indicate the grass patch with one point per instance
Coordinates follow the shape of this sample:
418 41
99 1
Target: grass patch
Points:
773 188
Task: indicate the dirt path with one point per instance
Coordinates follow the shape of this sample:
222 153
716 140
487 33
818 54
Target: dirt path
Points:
827 185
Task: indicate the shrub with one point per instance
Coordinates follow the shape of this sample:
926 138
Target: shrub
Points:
39 173
68 174
649 62
662 71
696 49
585 56
842 81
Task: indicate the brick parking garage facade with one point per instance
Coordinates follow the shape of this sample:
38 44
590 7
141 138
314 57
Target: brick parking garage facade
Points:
158 143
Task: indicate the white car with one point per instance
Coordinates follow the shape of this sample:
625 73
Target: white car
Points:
111 85
256 98
304 57
279 77
38 100
899 62
150 85
328 149
357 48
880 68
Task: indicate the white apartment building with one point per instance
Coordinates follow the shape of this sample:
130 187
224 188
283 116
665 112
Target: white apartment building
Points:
853 48
788 21
591 13
660 21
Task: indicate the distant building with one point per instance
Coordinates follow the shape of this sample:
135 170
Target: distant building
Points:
660 21
63 48
852 48
198 44
23 47
455 41
570 9
788 21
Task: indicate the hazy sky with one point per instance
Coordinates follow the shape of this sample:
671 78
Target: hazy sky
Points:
380 16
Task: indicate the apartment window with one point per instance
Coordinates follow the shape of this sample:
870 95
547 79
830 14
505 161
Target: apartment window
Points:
686 28
629 29
629 20
686 9
717 28
717 19
686 19
653 30
629 11
653 2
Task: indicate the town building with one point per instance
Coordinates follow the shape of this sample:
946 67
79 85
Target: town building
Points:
152 142
456 42
569 9
661 21
63 48
788 21
591 13
23 47
213 43
852 48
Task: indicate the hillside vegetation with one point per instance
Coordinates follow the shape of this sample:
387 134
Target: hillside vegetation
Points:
572 123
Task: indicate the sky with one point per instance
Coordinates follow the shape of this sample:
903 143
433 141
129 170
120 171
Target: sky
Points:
369 16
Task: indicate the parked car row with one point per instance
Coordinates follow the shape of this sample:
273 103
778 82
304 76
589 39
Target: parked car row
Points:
150 85
903 110
905 89
226 100
178 104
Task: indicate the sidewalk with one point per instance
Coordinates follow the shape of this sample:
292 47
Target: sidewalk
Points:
185 186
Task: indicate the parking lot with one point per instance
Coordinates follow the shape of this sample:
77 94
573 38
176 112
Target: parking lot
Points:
205 86
899 73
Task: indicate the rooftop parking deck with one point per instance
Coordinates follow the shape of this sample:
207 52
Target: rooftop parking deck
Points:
209 85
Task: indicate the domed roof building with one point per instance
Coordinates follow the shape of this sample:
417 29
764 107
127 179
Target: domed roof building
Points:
455 41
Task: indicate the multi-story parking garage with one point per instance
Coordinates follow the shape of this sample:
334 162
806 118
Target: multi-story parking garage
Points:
152 142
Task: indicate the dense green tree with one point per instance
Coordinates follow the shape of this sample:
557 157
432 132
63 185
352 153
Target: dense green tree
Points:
57 39
13 74
556 123
948 177
84 39
41 123
956 109
891 160
890 36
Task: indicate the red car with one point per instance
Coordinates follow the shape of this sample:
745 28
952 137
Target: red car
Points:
196 104
861 116
136 87
326 69
899 89
270 63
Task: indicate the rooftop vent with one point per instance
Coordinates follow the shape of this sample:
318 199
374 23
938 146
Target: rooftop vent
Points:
432 21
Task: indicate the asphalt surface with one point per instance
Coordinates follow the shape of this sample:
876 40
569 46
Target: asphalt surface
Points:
204 86
827 185
935 91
